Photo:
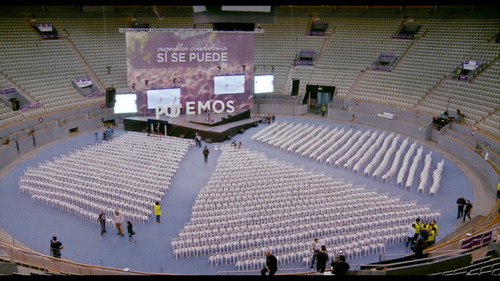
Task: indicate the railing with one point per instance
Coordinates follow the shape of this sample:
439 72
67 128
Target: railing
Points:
54 266
293 270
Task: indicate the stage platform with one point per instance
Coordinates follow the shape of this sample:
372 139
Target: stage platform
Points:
221 127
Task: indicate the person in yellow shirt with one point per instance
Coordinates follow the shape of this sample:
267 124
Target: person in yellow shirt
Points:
157 211
435 225
432 236
417 229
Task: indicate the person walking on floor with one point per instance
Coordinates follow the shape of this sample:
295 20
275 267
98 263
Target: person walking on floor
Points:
157 211
130 230
467 210
271 265
118 220
460 204
205 153
102 222
55 247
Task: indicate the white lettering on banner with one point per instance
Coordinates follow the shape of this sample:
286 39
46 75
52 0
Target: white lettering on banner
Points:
203 106
170 110
192 107
230 106
191 57
178 57
160 57
175 110
207 57
214 106
160 110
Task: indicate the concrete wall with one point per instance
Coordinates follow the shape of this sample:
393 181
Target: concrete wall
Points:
461 260
279 109
480 166
412 130
27 136
422 267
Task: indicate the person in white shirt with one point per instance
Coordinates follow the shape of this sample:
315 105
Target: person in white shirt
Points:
410 234
316 247
118 220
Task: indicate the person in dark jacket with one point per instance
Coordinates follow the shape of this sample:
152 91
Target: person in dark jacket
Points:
271 264
340 266
467 210
131 232
460 204
205 153
321 259
56 247
419 247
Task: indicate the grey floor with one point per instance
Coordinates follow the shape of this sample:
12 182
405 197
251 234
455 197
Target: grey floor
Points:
34 224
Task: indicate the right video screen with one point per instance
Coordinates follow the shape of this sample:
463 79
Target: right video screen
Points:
263 84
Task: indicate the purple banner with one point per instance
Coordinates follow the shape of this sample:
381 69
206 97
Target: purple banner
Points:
189 60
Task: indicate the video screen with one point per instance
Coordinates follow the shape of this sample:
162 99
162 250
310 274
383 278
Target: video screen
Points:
163 97
125 103
263 84
230 84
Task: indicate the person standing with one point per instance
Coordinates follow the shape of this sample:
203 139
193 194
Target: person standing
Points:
424 230
410 233
271 265
467 210
460 204
435 225
130 230
417 229
205 153
56 247
340 266
118 220
157 211
458 118
197 139
418 248
316 248
432 236
353 119
323 109
322 258
102 222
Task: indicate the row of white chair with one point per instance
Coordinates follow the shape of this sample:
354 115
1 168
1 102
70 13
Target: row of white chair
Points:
76 183
230 222
350 150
